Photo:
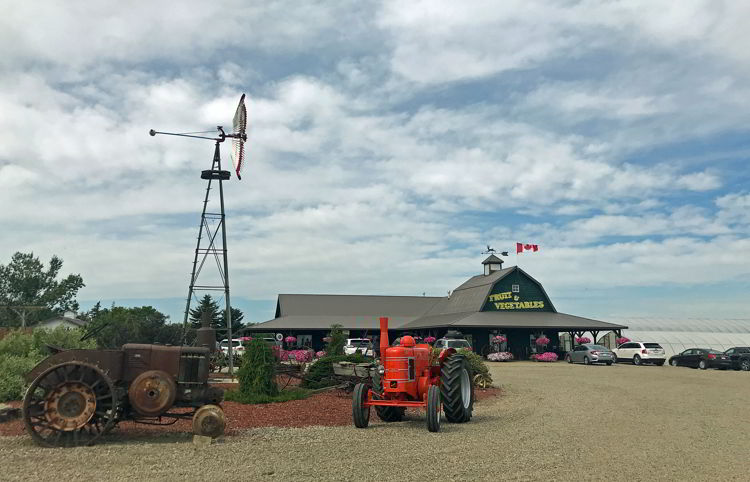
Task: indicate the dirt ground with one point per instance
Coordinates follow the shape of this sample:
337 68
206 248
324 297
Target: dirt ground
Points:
553 421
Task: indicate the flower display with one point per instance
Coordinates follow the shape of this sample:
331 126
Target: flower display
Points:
430 339
302 356
547 356
622 340
246 338
542 340
499 339
583 339
320 354
500 356
290 339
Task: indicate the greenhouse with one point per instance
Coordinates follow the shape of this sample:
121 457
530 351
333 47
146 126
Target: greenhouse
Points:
679 334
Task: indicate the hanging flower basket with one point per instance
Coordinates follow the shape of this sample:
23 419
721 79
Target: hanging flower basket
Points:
430 339
290 339
542 341
622 340
583 339
499 339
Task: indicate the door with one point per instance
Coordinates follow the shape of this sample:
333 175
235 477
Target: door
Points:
693 358
682 358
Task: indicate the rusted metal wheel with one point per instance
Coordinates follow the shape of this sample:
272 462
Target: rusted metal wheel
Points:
209 421
70 404
152 393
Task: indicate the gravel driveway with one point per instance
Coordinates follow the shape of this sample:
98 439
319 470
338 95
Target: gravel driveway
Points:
554 421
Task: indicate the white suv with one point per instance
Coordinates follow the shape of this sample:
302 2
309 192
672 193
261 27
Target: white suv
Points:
640 353
361 345
237 348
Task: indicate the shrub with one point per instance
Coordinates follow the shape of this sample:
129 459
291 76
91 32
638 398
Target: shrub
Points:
253 398
500 356
337 341
476 362
12 371
257 374
320 374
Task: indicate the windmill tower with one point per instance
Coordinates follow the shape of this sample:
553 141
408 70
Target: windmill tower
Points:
213 224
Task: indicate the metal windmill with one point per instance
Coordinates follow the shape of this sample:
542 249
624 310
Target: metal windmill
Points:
207 233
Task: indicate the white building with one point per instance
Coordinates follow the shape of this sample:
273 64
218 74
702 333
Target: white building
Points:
67 320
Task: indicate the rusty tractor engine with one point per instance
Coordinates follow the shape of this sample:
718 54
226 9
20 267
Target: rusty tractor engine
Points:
76 396
407 379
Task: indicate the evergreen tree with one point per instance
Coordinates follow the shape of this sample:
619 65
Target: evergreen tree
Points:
207 304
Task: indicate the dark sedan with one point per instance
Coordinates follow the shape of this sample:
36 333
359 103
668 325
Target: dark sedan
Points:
702 358
740 356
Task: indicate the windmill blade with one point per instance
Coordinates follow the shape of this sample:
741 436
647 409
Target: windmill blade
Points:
239 126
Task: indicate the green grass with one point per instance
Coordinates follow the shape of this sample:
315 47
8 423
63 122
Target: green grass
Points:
255 398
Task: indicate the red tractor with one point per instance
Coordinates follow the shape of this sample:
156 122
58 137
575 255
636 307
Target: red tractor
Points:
406 378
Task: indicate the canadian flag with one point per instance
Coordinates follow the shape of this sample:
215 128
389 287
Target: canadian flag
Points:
520 247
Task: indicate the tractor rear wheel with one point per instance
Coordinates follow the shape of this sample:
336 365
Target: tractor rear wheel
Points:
386 414
70 404
360 412
433 408
456 389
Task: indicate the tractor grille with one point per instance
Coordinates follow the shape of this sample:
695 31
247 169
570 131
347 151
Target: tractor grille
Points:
193 368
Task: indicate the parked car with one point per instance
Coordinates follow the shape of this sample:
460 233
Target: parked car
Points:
702 358
361 345
237 347
740 357
457 343
590 353
639 353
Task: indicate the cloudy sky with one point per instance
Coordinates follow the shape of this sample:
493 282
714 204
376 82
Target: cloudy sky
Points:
389 143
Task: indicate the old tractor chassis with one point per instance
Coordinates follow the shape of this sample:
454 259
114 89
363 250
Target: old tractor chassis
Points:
408 380
77 396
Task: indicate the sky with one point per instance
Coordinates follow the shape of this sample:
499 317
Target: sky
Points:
389 144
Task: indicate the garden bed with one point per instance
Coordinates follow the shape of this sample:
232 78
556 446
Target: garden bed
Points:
329 408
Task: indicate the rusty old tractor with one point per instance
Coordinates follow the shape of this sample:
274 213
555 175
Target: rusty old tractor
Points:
76 396
407 379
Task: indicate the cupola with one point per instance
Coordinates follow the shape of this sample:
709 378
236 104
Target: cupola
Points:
492 264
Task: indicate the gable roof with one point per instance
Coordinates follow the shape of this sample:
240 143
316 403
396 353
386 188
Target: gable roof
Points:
72 321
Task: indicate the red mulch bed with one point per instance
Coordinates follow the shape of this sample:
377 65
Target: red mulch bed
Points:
327 408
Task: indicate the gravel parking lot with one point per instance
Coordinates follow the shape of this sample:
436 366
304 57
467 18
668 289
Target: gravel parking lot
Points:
553 421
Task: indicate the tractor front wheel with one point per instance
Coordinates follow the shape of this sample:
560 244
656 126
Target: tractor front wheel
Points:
386 414
456 389
433 409
360 412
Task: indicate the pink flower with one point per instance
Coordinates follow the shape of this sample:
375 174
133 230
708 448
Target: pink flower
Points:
499 339
542 340
290 339
583 339
320 354
429 339
501 356
622 340
547 356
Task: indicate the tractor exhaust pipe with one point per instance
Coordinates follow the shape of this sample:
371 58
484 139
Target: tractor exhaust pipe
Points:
384 343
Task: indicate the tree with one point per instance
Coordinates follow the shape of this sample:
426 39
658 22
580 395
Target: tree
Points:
217 316
29 293
206 304
118 325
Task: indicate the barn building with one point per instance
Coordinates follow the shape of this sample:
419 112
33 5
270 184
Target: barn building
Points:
500 301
